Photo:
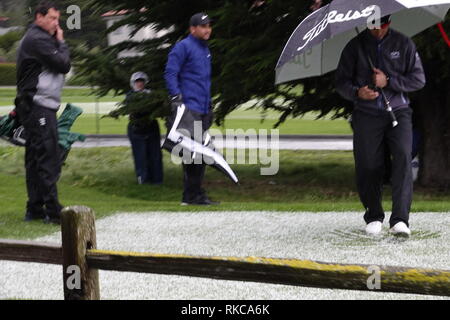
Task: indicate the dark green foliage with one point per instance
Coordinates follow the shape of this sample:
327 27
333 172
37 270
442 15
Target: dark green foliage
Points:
8 40
8 74
92 25
14 10
435 56
246 42
245 45
9 43
9 5
432 108
134 103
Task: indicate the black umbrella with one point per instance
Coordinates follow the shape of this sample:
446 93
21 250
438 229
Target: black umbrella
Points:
181 139
316 44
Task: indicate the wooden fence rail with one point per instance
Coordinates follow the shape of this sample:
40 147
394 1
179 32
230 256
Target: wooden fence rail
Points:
29 251
79 249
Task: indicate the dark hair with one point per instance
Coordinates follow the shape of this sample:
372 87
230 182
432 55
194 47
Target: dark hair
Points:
386 19
43 8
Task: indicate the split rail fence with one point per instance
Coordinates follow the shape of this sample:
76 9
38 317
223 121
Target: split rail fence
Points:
79 253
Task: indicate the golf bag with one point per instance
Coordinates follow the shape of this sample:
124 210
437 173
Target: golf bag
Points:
12 131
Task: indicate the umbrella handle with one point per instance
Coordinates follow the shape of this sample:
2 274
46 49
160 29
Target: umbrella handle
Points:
386 100
389 109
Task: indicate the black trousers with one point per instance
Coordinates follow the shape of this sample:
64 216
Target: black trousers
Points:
145 144
193 174
42 161
371 134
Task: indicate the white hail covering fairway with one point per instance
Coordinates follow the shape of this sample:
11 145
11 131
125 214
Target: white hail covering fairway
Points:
326 236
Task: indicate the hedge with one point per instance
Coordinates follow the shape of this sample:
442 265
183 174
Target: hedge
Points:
7 74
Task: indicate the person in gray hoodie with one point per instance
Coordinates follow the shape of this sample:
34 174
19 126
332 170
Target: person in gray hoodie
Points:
42 61
381 59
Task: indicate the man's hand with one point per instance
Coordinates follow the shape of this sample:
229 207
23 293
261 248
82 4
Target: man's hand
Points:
176 101
379 78
59 34
367 94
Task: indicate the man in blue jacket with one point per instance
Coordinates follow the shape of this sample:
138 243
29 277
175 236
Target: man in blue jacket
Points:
397 70
188 80
42 61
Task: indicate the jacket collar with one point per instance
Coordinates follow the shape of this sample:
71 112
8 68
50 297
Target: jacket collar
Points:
199 41
374 40
35 26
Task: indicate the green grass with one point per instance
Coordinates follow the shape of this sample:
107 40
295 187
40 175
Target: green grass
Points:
86 95
103 179
7 96
240 119
87 124
292 126
90 124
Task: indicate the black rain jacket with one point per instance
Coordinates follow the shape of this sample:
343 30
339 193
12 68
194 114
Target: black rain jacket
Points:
395 55
42 62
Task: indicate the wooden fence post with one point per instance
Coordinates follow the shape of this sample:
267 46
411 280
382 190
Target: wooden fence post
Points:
78 235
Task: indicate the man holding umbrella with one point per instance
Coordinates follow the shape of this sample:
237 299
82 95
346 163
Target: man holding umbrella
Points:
376 70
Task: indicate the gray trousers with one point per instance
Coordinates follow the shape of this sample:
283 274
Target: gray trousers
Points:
371 132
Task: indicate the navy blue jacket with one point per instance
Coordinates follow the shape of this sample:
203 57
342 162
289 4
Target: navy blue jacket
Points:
188 72
395 55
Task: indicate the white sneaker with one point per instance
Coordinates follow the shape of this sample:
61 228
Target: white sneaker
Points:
374 228
401 229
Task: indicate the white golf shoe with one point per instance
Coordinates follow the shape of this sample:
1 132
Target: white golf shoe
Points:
400 229
374 228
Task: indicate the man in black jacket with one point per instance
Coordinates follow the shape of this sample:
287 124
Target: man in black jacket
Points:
397 70
43 59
